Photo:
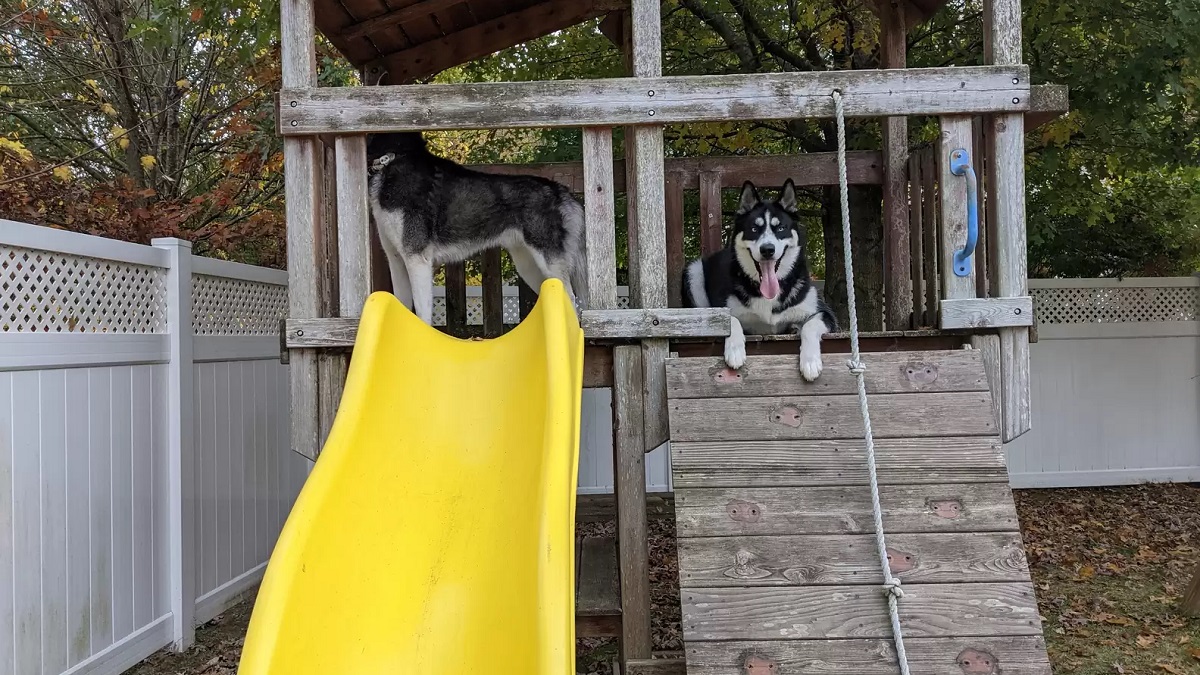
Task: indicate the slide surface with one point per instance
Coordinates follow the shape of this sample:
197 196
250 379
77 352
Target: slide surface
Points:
435 535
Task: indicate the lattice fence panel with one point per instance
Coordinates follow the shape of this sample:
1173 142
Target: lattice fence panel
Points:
1123 304
49 292
224 306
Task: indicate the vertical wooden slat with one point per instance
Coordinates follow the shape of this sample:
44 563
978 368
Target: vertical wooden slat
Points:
331 366
629 477
675 257
600 217
493 294
456 299
301 212
711 240
897 275
353 225
1006 155
956 133
978 160
915 241
930 219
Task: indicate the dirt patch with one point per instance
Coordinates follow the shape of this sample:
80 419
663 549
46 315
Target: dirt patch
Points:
1109 566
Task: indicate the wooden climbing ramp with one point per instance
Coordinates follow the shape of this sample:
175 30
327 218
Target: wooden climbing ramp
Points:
779 572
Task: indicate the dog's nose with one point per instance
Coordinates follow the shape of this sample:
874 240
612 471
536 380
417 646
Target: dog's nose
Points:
767 250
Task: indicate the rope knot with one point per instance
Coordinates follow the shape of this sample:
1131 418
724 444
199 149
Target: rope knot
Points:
891 588
857 367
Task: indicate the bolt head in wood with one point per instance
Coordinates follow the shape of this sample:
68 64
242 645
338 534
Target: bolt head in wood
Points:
295 103
295 123
1016 100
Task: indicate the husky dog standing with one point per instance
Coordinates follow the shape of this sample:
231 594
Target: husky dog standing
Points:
762 277
431 211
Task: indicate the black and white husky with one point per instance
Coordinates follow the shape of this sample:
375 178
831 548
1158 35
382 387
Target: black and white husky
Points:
762 277
431 211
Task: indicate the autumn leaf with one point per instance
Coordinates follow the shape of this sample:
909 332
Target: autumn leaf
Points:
1174 670
148 162
1144 641
119 136
62 173
1087 572
1195 654
184 83
108 109
197 14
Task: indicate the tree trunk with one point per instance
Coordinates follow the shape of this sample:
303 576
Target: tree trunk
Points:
866 233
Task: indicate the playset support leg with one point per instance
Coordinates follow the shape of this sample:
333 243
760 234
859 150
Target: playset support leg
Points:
629 481
1006 185
1191 599
898 279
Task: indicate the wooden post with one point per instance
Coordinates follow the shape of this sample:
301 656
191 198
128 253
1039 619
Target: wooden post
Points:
956 133
629 479
916 244
456 299
181 455
675 256
1006 183
1191 599
600 213
898 281
301 212
331 365
353 225
648 229
493 293
930 223
711 240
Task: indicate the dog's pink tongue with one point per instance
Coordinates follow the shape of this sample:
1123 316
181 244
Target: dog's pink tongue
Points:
769 286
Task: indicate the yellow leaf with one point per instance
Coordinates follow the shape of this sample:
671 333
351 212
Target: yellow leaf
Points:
17 148
92 84
1174 670
107 109
1087 572
148 162
184 83
1145 640
62 173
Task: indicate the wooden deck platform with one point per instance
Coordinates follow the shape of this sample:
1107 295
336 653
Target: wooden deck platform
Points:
778 568
597 589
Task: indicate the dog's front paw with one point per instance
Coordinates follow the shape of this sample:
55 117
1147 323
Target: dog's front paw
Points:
810 365
735 353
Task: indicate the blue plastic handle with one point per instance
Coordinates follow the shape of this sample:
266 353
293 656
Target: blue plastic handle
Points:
960 164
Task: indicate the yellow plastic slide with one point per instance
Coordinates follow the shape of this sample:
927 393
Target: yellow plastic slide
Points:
435 535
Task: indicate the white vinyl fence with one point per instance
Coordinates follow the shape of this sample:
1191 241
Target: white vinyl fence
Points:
144 462
1116 384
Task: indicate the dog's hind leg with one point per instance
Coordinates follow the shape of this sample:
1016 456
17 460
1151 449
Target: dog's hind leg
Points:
528 265
401 286
420 279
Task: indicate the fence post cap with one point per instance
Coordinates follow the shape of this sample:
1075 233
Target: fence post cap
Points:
170 242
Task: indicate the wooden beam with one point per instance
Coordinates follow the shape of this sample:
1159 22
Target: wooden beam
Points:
629 478
916 12
675 238
301 213
331 366
674 666
1006 183
652 99
354 225
974 313
711 213
489 37
897 275
1190 605
916 255
863 167
375 24
1047 102
931 219
493 293
600 214
956 133
612 27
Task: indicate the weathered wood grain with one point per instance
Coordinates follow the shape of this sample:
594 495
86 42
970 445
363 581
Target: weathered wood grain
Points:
652 100
781 418
397 17
629 481
456 298
667 666
989 347
598 590
675 236
493 293
485 38
956 133
916 243
931 220
331 369
353 225
850 559
959 313
616 324
1047 102
813 463
887 373
720 512
711 214
600 213
1009 655
863 167
817 612
897 278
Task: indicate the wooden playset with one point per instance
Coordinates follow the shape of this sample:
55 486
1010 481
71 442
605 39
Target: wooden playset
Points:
779 571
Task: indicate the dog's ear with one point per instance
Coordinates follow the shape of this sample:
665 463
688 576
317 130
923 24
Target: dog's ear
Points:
749 198
787 197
